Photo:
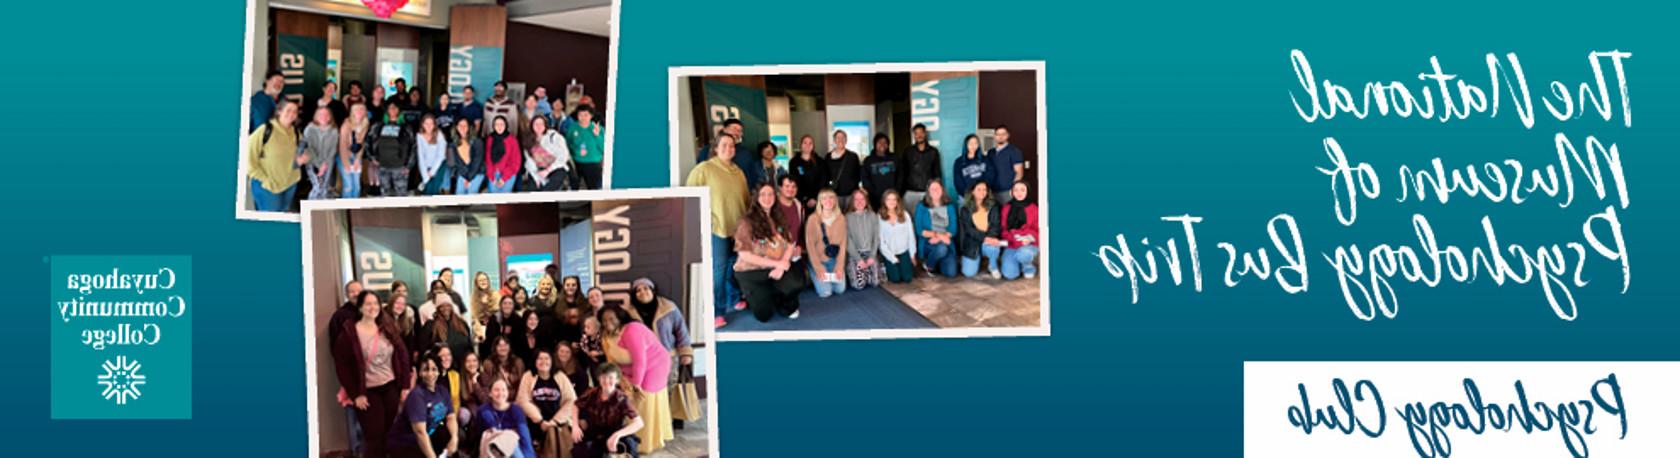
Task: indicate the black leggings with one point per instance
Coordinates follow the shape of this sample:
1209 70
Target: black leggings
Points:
383 403
767 296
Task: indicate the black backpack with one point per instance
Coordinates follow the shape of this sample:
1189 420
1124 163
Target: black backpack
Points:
268 131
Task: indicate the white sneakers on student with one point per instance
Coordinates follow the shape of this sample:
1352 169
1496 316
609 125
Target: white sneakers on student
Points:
794 316
994 274
1031 274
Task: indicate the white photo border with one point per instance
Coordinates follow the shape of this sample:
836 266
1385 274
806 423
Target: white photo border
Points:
708 336
242 183
677 73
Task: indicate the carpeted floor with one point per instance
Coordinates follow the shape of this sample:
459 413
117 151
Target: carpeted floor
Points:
872 308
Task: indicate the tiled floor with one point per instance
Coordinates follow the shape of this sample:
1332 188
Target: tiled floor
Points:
691 442
972 302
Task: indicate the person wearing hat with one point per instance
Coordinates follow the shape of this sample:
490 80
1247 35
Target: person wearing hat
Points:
662 316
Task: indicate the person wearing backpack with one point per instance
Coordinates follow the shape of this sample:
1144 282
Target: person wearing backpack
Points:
391 146
274 160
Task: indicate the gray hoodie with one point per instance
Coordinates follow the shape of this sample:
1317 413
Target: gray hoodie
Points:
322 145
862 231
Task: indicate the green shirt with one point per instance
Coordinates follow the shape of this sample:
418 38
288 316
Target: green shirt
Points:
274 164
729 192
587 145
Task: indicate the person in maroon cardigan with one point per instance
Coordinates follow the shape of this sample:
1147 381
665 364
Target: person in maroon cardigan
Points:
373 366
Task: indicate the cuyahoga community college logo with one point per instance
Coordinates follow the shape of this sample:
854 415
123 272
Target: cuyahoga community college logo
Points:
122 380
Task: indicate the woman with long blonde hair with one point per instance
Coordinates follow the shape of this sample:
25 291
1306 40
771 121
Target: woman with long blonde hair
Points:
485 295
825 243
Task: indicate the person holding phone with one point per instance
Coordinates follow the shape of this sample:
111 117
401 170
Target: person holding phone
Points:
825 244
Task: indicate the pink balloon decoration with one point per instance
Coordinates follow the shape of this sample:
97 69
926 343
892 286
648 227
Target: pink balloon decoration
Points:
384 8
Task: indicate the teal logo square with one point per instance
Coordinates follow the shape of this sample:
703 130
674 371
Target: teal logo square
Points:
121 337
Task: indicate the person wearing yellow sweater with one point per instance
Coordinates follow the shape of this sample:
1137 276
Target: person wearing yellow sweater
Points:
274 160
728 185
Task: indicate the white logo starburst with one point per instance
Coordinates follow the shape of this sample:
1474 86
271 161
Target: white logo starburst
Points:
122 379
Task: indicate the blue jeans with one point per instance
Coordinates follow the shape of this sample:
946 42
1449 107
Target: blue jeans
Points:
1017 261
941 258
320 183
464 186
355 430
725 293
827 288
971 266
506 187
352 184
271 201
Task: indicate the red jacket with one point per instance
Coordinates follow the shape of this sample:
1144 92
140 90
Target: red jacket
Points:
1024 235
508 167
351 362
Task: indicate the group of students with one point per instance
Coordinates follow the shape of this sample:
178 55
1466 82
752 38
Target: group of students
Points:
398 146
550 373
830 221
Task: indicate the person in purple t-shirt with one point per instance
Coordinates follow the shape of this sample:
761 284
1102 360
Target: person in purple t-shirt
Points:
426 427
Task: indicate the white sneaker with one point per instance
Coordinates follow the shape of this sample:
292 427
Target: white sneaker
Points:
994 274
1031 274
794 316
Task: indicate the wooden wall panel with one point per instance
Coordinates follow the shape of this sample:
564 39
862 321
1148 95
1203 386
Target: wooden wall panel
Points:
301 24
752 81
849 89
397 36
478 25
553 58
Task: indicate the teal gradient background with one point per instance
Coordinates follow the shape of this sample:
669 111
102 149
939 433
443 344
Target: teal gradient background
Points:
119 129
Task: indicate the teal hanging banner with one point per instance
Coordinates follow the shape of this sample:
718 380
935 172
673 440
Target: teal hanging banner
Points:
725 101
950 108
303 62
577 252
476 66
385 255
